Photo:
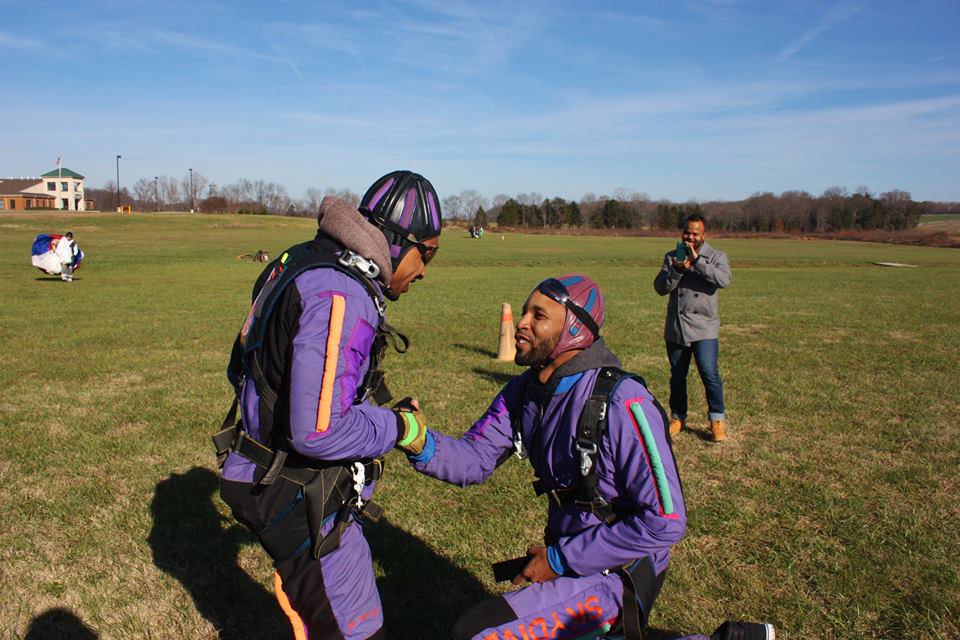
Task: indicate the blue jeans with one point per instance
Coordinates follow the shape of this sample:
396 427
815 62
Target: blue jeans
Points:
705 352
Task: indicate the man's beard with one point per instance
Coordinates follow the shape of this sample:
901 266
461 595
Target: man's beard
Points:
538 356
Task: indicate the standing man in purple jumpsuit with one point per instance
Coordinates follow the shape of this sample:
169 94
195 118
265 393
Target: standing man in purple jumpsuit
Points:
607 548
301 463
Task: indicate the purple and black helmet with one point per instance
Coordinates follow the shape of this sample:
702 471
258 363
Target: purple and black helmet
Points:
405 206
585 310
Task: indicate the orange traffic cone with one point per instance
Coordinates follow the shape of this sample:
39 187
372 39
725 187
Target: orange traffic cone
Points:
506 349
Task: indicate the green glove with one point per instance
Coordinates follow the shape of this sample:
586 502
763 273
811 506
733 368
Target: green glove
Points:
411 428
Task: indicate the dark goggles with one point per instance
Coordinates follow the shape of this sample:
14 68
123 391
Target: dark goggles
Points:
427 252
556 291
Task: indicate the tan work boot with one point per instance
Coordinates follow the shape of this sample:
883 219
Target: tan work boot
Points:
676 425
719 429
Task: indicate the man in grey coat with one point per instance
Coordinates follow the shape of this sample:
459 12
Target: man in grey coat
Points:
692 274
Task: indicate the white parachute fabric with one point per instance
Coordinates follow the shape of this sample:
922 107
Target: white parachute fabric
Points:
51 250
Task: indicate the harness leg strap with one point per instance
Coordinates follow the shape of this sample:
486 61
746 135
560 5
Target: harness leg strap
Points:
276 466
641 586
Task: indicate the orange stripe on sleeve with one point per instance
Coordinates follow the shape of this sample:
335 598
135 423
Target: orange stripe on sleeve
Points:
298 630
338 306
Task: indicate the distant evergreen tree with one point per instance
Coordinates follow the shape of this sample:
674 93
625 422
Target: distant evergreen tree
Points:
509 213
480 217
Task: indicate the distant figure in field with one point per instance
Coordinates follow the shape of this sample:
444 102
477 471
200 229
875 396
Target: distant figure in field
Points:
67 252
692 274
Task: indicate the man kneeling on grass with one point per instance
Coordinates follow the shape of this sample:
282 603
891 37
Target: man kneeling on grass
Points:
597 440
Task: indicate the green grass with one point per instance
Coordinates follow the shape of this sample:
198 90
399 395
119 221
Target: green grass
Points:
939 217
832 511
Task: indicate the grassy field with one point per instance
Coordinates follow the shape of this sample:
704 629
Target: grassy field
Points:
939 217
832 510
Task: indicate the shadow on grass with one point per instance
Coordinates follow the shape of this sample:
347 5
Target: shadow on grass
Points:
417 580
704 434
190 543
59 624
498 377
475 349
54 279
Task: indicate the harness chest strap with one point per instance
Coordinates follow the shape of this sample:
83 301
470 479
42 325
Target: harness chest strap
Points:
641 584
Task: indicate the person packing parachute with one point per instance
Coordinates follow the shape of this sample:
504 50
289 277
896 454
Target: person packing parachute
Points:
57 255
299 466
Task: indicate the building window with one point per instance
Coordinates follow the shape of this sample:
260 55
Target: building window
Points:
29 204
51 186
64 203
1 203
13 203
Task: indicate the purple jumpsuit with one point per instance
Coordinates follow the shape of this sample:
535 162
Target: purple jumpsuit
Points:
331 324
584 599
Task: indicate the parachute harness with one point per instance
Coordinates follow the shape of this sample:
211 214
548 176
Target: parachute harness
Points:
333 489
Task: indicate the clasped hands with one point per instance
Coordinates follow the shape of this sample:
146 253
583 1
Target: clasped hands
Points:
412 426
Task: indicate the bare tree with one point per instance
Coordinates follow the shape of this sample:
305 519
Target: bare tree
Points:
277 199
312 199
192 190
344 194
143 192
452 206
499 200
471 201
169 190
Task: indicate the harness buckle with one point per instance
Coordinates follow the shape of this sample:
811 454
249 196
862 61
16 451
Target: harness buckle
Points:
586 457
359 478
518 449
366 268
355 261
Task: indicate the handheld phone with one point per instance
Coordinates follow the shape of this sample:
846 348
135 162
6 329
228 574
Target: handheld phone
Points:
681 252
506 570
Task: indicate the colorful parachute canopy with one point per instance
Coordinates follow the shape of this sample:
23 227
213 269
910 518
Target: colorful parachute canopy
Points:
44 254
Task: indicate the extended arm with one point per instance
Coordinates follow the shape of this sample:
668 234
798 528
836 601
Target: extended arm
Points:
471 458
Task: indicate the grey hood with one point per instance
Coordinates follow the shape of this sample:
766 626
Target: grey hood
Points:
341 221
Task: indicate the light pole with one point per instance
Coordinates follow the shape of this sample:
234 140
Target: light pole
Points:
192 206
118 181
156 192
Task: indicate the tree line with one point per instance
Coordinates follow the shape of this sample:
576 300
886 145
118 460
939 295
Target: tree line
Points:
195 192
791 211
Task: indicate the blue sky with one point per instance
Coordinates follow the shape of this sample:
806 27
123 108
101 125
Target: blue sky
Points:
711 99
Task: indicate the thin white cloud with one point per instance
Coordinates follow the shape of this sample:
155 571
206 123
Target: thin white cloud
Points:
838 14
14 42
644 22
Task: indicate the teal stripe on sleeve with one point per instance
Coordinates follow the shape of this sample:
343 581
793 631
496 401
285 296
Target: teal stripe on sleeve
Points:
660 477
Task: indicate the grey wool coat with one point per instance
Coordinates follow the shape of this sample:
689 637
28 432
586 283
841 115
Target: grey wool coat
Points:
692 308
